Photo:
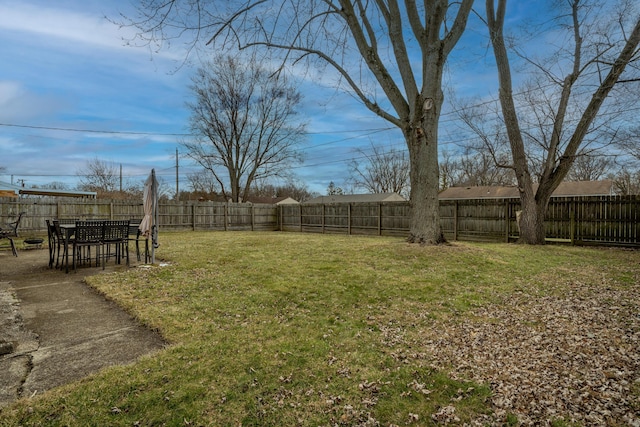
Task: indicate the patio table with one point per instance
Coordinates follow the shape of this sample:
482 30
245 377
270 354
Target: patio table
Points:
68 231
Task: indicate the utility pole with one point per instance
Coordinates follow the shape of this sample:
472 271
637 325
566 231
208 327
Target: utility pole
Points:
177 188
121 177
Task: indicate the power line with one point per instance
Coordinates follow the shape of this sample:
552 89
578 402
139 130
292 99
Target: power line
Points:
118 132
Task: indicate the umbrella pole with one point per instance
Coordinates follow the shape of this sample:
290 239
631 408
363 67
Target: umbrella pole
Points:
154 227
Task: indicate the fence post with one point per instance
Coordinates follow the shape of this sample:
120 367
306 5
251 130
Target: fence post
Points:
253 216
572 222
455 220
193 216
300 210
226 215
323 207
379 218
506 220
349 219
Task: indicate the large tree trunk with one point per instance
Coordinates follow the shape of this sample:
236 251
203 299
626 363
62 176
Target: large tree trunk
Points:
422 140
531 220
425 216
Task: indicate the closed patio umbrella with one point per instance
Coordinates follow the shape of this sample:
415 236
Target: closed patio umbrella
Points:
149 224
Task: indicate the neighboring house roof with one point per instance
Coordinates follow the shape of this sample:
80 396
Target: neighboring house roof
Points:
16 190
565 189
358 198
273 200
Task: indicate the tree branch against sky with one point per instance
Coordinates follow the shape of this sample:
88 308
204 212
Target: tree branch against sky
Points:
368 44
381 171
584 68
244 122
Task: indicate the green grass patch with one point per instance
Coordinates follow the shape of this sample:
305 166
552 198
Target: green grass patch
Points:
283 329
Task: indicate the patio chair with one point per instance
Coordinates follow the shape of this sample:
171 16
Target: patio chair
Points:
134 230
116 233
88 234
53 243
60 241
9 231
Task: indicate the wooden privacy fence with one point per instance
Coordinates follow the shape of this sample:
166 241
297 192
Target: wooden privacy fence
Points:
602 220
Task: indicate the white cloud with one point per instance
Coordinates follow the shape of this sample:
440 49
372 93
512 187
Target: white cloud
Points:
17 104
84 31
70 26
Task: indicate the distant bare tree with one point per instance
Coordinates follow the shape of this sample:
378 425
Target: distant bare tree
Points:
626 182
296 191
589 167
480 168
245 125
100 176
381 170
202 182
56 185
448 167
629 142
475 167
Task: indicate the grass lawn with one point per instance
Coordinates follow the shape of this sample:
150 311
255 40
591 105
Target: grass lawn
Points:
286 329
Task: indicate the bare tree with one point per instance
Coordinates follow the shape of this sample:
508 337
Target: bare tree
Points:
629 142
296 191
381 170
588 167
243 119
596 55
626 182
449 169
202 183
473 168
100 176
370 44
56 185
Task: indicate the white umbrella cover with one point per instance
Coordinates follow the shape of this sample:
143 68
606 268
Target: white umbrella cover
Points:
148 225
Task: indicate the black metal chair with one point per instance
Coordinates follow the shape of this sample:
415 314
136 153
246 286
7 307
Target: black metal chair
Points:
134 230
116 233
10 230
62 245
88 234
53 244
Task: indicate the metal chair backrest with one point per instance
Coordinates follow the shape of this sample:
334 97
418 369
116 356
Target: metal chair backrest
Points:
12 228
116 230
89 231
57 230
66 220
51 232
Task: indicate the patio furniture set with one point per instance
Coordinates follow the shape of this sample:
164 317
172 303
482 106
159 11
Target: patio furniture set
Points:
92 242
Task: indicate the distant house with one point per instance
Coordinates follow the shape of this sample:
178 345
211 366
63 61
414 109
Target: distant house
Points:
273 200
357 198
565 189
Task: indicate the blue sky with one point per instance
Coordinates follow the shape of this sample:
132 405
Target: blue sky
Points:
71 91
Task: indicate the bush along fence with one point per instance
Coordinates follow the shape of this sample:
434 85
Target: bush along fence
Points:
612 220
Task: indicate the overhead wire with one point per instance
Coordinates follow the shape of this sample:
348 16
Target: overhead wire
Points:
450 116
